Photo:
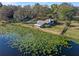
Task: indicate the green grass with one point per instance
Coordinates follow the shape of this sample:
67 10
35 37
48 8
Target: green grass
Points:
74 33
57 28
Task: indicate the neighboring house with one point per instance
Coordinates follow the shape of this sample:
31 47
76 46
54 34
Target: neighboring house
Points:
41 22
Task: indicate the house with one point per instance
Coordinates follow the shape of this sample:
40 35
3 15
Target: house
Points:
39 23
47 21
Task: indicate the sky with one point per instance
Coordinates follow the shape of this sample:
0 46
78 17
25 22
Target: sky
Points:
32 3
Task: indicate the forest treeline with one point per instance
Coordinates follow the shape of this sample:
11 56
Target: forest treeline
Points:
64 11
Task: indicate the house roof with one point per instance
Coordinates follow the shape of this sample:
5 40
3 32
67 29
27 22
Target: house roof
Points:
41 22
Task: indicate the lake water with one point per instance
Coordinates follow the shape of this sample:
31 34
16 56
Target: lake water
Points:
7 50
73 50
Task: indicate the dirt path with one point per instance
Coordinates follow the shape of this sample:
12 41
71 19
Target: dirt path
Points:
41 29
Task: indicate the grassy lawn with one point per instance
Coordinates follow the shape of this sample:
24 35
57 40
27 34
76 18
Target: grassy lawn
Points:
73 32
57 28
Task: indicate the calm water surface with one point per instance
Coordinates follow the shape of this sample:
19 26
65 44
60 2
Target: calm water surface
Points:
5 48
73 50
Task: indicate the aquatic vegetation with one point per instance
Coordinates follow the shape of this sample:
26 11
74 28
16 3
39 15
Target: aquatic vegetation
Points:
35 42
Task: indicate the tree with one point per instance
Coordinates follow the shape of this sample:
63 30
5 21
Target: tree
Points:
7 12
67 12
41 11
55 11
1 4
23 14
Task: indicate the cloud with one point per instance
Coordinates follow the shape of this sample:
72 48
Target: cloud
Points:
9 3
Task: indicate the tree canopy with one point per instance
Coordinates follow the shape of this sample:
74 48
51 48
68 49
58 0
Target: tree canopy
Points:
64 11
